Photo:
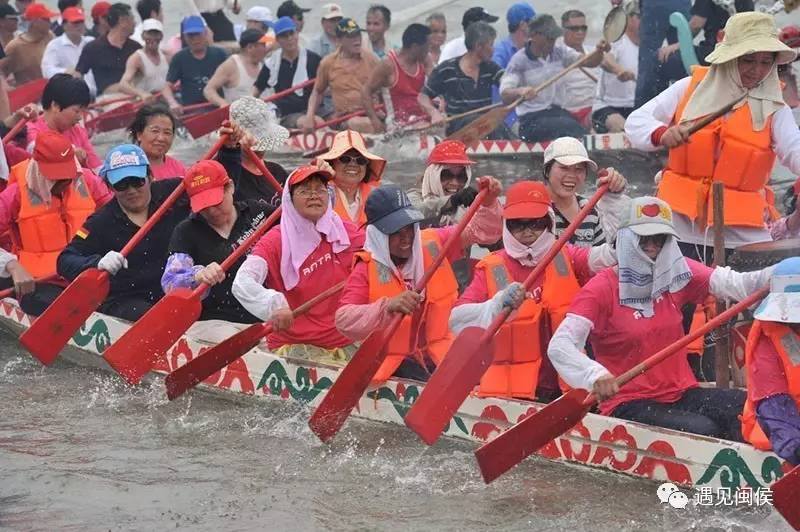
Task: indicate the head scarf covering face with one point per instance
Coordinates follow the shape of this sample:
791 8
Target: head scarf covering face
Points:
641 279
530 256
723 85
300 237
40 185
412 270
432 188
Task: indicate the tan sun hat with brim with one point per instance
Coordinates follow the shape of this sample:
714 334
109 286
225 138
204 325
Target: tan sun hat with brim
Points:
347 140
747 33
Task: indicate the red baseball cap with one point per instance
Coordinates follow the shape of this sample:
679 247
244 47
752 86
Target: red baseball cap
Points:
37 10
55 156
100 9
73 14
526 199
450 152
304 172
205 184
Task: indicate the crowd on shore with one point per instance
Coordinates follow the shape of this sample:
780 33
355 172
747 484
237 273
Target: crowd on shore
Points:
634 278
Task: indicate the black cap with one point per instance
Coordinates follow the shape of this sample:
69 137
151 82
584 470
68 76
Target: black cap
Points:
249 37
347 27
7 11
476 14
290 9
389 209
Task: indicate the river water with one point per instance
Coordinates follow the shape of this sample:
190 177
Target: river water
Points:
79 450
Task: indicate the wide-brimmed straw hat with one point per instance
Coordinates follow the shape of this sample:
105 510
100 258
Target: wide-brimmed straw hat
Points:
255 116
747 33
353 140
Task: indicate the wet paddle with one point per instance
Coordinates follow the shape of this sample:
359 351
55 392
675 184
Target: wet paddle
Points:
534 432
204 124
30 92
354 379
784 497
472 353
225 353
55 326
137 351
14 131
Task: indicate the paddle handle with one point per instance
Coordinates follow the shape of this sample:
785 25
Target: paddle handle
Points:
305 307
263 169
286 92
166 205
549 256
338 120
8 291
697 125
577 64
242 249
14 131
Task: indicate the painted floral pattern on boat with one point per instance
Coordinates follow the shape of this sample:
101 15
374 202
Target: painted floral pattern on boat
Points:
616 447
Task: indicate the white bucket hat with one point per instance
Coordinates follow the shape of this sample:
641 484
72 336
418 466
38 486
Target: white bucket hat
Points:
747 33
783 302
257 118
568 151
647 216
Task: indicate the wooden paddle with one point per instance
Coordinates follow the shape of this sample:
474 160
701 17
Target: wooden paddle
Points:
534 432
263 169
471 354
30 92
138 350
206 123
225 353
14 131
9 291
53 329
354 379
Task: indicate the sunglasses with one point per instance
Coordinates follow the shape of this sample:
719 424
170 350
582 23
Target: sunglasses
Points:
577 28
658 240
128 182
534 224
347 159
447 174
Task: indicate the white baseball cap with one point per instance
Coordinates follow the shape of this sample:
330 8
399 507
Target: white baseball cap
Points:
647 216
331 11
261 14
152 24
568 151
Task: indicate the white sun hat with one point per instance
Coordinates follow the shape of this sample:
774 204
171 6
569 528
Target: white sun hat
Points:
568 151
257 118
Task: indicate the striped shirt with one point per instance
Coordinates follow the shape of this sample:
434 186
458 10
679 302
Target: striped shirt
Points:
461 92
590 232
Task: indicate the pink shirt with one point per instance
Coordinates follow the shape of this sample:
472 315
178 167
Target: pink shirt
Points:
765 375
321 270
76 135
621 337
170 168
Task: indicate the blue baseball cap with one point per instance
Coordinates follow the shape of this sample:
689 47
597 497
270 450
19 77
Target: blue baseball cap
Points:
125 160
389 209
193 24
520 12
284 24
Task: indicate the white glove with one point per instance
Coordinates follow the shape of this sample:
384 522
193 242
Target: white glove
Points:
112 262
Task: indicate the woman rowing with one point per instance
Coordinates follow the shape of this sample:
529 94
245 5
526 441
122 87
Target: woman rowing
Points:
634 310
738 149
199 244
153 130
519 368
310 251
356 173
566 165
396 255
771 416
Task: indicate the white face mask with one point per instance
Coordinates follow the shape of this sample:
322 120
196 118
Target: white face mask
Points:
527 255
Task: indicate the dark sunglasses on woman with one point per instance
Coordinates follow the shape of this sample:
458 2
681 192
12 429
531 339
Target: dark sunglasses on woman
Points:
347 159
128 182
534 224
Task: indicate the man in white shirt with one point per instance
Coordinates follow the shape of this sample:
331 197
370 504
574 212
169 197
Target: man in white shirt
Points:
456 47
257 18
616 89
575 91
62 53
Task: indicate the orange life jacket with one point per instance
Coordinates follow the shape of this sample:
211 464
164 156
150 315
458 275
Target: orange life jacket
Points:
440 295
521 341
726 150
787 343
341 209
43 231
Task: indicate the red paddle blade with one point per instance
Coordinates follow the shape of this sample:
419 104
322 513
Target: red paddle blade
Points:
137 351
199 369
118 118
531 434
353 380
51 331
200 126
786 496
27 93
462 368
